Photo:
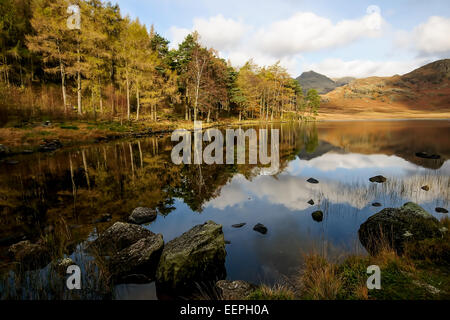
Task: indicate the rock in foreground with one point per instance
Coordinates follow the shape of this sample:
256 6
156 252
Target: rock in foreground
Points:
394 227
235 290
120 236
196 257
138 262
30 255
317 216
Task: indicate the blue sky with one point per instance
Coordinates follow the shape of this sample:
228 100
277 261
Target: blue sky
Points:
337 38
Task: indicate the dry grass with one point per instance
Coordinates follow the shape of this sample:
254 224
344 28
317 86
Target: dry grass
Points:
319 279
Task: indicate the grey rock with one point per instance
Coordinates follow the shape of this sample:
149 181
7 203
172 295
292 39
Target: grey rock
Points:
142 215
197 256
138 262
118 237
390 225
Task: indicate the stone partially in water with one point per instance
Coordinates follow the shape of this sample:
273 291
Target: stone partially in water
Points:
235 290
196 257
31 255
260 228
425 155
239 225
317 216
312 180
378 179
142 215
426 188
376 204
138 262
119 236
394 227
441 210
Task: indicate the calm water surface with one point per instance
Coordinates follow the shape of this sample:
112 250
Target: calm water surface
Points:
70 189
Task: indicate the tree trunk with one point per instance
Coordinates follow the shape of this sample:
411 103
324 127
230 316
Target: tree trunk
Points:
137 102
128 95
209 115
80 110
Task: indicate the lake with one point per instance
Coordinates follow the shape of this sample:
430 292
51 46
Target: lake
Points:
66 193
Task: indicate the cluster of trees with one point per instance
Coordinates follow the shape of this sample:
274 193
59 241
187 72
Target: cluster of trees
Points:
113 65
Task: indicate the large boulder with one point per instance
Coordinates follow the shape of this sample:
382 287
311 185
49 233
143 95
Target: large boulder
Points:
138 262
234 290
396 226
118 237
31 256
195 258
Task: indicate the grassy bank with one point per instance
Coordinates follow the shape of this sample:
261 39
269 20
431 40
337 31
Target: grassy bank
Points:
421 273
28 136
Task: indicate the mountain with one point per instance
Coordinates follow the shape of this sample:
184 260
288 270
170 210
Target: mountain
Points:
422 93
314 80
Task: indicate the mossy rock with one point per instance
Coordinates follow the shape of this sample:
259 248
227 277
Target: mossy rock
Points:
396 226
196 257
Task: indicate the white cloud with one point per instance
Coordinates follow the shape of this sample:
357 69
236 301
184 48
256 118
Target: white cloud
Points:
337 68
433 36
283 40
306 32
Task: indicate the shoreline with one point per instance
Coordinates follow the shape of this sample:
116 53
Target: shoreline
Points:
29 140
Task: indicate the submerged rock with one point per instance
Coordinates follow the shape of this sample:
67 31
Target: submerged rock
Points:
197 256
118 237
31 255
142 215
138 262
441 210
317 216
425 155
239 225
378 179
395 226
234 290
311 202
312 180
260 228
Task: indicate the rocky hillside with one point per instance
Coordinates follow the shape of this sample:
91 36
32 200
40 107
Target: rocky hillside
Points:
424 92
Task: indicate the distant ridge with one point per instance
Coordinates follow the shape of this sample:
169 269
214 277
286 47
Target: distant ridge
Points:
323 84
421 93
313 80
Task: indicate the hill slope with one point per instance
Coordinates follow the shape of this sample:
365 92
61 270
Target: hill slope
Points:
314 80
422 93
